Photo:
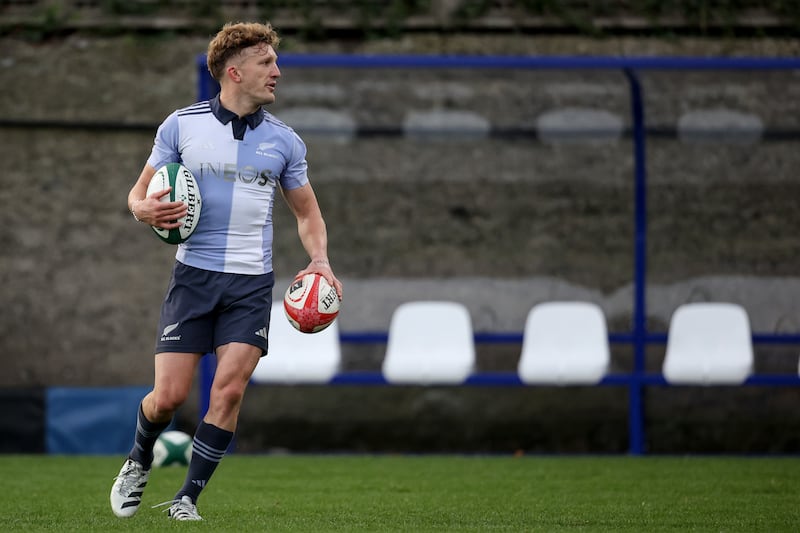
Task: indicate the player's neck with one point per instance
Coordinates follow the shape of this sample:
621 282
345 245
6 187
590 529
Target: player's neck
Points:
237 105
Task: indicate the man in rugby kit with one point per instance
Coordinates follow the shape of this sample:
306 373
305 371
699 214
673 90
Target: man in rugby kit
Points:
220 293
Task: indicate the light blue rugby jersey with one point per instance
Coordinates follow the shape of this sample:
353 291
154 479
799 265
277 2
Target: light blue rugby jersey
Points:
237 163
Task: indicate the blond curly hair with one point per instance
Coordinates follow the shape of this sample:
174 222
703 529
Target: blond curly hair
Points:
232 39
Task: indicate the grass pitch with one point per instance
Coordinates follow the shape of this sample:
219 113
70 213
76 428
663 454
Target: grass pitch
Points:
419 493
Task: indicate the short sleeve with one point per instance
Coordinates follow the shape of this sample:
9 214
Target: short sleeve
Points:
295 175
166 144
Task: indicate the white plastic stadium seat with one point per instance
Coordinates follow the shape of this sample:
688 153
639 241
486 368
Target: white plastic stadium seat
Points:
564 343
429 343
709 344
296 357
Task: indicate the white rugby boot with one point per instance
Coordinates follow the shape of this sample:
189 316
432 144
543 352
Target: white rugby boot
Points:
183 509
126 494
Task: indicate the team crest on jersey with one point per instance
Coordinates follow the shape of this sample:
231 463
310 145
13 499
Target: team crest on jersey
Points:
262 150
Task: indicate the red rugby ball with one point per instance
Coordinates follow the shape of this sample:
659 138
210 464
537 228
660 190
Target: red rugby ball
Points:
310 303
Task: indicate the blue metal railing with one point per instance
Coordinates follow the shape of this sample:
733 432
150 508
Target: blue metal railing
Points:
638 337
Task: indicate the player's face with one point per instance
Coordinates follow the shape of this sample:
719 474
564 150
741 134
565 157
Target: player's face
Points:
259 73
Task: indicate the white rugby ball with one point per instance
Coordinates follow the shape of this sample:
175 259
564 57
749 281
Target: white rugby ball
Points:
184 189
310 303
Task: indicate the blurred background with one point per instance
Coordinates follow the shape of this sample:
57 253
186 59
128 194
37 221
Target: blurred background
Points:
499 188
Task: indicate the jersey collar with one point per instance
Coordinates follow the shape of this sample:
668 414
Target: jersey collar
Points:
239 124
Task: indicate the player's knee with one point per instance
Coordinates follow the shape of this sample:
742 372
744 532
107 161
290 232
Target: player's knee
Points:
228 396
168 401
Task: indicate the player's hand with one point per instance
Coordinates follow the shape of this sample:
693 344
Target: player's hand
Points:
160 214
323 268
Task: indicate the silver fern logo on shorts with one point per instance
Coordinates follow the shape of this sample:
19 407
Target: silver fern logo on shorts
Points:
165 335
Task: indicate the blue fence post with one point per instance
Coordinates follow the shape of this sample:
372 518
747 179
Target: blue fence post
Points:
207 86
208 366
636 389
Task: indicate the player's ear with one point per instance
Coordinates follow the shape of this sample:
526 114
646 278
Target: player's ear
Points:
233 73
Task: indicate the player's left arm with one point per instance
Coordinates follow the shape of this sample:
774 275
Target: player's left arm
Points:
312 231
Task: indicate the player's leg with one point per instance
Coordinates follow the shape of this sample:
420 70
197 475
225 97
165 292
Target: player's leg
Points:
185 332
173 379
186 325
235 364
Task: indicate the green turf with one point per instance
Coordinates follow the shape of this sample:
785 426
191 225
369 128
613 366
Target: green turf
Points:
419 493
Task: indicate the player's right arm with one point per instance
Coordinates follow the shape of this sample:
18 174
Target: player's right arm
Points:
150 209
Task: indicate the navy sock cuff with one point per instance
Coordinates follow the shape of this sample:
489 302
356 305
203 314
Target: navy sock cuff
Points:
213 437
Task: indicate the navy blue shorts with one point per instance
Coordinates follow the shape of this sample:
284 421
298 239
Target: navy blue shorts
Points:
203 310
